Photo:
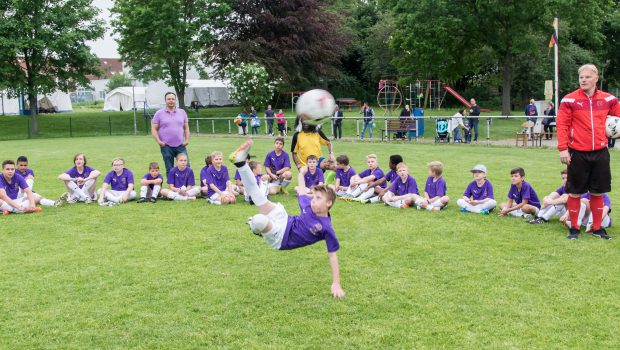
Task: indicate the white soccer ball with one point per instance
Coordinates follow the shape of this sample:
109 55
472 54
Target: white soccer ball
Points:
315 106
612 127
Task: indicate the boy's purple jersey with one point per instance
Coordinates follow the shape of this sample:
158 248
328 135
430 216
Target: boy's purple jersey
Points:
277 162
12 188
148 176
314 179
400 188
378 173
308 228
391 176
606 199
211 175
180 178
527 192
25 174
119 182
74 173
561 190
237 176
479 193
435 188
345 176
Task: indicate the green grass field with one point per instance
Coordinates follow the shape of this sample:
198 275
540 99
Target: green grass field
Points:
85 122
188 275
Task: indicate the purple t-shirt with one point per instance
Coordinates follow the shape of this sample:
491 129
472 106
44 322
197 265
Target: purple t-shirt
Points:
171 126
119 182
391 176
606 199
74 173
12 188
479 193
237 175
314 179
400 188
527 192
211 175
345 176
561 190
378 173
25 173
308 228
435 188
277 162
148 176
180 178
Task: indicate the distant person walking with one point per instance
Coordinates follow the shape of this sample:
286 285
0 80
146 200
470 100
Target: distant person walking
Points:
270 116
474 112
337 118
549 118
368 114
170 129
582 143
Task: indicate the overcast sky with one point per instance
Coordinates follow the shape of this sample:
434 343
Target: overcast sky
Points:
106 47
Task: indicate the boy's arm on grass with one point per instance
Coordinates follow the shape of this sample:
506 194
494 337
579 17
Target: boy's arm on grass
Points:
337 291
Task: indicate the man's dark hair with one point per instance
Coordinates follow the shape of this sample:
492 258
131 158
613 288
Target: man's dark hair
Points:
342 159
281 139
6 162
519 171
22 159
395 159
169 93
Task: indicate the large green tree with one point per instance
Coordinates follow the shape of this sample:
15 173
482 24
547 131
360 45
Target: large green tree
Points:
43 47
162 39
453 39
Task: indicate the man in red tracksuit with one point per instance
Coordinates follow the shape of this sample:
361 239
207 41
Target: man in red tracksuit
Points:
582 143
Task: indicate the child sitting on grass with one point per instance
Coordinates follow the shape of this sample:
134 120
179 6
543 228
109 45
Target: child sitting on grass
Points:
435 197
150 184
404 190
478 196
522 199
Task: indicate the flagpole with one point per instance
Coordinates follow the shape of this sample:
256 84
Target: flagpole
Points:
556 70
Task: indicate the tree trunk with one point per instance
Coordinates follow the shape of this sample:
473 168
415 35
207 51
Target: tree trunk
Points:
34 128
506 83
180 97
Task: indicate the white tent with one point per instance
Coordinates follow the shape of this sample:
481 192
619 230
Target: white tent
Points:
206 92
59 102
122 98
8 105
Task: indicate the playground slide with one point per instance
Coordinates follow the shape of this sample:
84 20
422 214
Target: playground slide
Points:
457 95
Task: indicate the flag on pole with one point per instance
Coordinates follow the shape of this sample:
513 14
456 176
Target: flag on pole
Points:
554 39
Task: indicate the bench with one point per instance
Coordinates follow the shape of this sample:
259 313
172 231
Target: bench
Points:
398 126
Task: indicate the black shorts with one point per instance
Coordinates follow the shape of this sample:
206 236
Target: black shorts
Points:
589 172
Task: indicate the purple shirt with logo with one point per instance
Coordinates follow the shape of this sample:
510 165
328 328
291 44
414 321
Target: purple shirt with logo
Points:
308 228
527 192
479 193
237 175
277 162
211 175
148 176
345 176
119 182
561 190
74 173
400 188
435 188
378 173
391 176
171 126
12 188
180 178
25 173
314 179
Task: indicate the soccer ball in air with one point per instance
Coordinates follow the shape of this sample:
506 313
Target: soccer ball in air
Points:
315 106
612 127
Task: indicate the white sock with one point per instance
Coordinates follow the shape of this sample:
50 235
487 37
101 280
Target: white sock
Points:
193 192
437 203
375 199
7 207
358 190
47 202
77 191
548 212
143 190
517 212
175 196
88 185
155 191
251 188
397 204
30 183
112 197
215 202
418 201
367 194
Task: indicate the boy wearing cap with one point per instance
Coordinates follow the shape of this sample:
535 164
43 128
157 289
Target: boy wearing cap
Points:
554 203
522 199
478 196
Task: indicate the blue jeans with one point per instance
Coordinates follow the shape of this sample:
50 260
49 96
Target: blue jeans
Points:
367 124
169 153
270 125
473 124
456 134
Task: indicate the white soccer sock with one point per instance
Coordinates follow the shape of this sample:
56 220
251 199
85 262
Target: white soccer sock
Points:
367 194
155 191
193 192
517 212
47 202
30 183
7 207
143 190
358 190
215 202
251 188
397 204
87 186
111 197
375 199
77 192
418 201
548 212
175 196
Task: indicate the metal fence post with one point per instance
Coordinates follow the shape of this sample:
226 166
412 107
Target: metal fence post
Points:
357 126
213 125
488 131
229 129
197 126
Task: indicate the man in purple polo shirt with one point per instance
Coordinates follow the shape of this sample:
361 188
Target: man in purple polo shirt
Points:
170 129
